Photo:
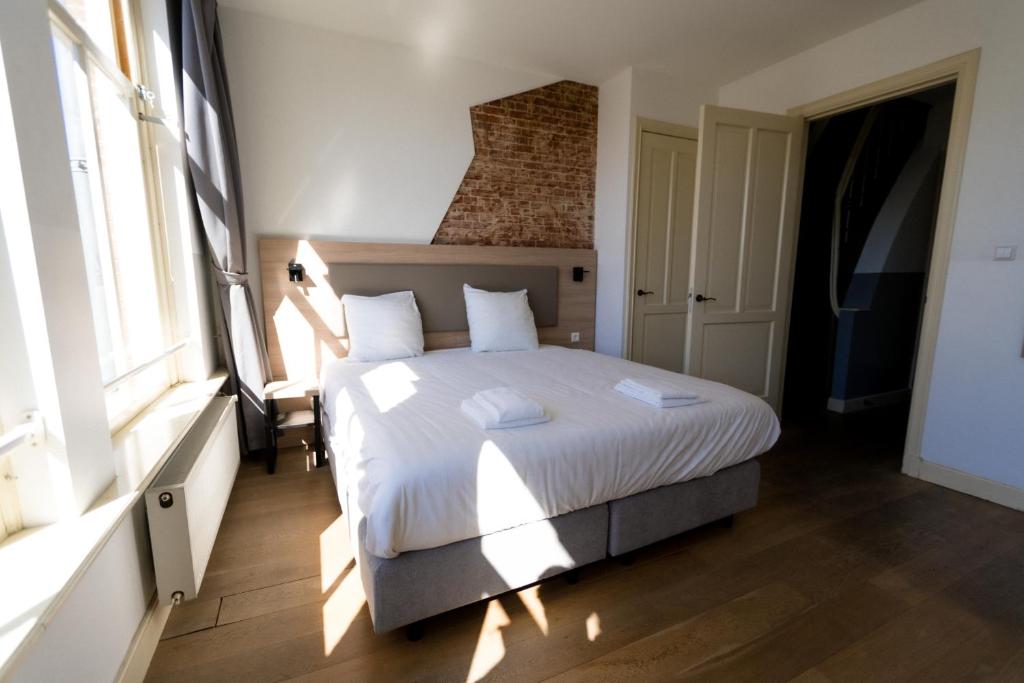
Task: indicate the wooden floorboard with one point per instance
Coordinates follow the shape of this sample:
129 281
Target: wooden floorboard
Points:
846 571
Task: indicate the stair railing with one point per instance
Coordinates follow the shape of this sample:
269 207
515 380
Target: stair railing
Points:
837 211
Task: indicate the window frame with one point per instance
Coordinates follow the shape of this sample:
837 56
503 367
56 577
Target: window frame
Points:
128 62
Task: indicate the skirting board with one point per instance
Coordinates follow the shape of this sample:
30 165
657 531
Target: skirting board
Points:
972 485
853 405
143 646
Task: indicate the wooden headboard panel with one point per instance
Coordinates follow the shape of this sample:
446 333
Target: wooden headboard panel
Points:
304 321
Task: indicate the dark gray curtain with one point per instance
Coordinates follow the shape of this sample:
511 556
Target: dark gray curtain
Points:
212 157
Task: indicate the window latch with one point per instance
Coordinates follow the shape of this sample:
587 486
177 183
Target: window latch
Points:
145 94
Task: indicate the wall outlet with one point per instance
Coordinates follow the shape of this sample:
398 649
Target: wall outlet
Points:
1007 253
574 337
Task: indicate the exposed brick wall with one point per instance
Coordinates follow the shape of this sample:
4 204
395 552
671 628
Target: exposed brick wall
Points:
531 181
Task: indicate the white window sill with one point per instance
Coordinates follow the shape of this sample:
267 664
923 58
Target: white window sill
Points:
39 567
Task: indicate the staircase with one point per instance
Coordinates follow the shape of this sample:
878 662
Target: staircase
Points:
888 137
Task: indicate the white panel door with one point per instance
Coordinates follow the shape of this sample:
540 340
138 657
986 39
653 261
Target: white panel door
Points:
748 189
661 255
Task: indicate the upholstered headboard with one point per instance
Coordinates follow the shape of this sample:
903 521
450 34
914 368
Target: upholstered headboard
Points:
438 287
304 320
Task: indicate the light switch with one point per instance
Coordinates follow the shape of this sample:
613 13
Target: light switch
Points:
574 337
1007 253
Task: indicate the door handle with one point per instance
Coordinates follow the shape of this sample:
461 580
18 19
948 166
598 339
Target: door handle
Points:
642 292
700 297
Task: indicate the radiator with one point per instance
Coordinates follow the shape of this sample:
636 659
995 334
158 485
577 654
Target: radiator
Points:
186 502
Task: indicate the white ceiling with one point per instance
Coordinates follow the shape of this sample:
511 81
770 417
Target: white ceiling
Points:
715 41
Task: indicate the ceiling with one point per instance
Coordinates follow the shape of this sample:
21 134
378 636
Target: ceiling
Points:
716 41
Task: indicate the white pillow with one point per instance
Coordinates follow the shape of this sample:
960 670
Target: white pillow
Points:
499 321
383 327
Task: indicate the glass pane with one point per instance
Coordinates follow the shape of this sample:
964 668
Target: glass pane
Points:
96 18
131 238
126 399
123 256
78 123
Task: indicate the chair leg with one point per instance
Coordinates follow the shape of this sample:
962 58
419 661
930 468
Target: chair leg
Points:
272 450
318 436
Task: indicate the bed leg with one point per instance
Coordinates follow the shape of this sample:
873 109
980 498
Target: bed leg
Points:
414 632
726 522
572 577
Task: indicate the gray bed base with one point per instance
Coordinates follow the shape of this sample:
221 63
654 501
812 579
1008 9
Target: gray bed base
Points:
423 583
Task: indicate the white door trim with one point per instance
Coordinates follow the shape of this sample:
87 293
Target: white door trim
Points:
641 125
962 69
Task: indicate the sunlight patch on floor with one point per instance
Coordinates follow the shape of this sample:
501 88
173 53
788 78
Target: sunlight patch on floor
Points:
335 553
341 609
530 597
593 626
490 645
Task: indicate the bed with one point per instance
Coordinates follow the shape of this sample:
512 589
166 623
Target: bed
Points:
430 495
442 513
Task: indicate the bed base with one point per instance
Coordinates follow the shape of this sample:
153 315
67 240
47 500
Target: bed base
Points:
422 583
407 589
416 585
651 516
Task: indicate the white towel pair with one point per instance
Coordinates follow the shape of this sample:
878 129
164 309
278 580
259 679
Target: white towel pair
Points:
503 408
658 394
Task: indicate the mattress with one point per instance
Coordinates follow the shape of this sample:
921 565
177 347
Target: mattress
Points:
416 473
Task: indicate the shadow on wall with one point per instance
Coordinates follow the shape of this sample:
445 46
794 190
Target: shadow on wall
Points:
531 180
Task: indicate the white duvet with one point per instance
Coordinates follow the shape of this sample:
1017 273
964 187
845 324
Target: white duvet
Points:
420 474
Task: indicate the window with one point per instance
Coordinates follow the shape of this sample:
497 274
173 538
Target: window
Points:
118 206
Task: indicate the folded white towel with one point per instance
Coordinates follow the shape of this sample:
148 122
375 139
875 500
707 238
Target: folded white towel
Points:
658 389
479 414
507 405
650 399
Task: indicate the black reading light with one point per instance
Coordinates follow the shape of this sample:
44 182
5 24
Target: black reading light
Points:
577 273
295 272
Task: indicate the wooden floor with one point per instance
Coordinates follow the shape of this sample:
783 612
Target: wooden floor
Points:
846 571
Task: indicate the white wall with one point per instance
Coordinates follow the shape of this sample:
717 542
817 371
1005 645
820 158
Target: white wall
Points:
348 138
977 391
89 637
611 212
629 94
344 137
669 98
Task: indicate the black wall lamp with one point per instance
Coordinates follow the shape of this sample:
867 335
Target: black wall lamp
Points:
295 271
577 273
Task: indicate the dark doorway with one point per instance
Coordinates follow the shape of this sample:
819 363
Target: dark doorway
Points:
861 268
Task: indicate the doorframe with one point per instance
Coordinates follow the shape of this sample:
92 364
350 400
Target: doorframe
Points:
640 126
963 70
